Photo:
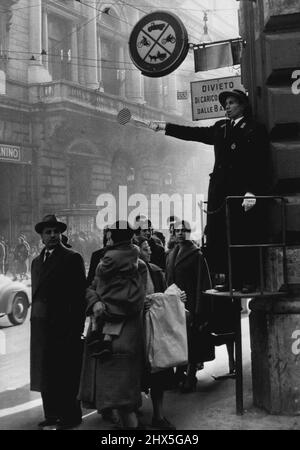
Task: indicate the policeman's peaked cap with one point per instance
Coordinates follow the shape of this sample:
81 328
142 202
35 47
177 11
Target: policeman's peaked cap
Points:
240 95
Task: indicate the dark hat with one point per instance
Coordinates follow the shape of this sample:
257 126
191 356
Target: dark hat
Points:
121 231
183 224
50 220
140 217
172 219
240 95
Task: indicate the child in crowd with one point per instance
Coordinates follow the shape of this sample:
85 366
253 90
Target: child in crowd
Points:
118 289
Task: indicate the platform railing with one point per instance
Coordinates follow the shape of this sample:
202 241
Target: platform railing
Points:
262 292
236 296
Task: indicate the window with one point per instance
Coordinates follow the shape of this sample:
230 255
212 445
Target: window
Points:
59 47
109 66
3 39
110 60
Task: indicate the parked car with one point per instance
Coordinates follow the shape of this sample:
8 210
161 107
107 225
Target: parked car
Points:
15 299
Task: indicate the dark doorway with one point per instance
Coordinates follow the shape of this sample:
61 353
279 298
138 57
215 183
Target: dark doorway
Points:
80 181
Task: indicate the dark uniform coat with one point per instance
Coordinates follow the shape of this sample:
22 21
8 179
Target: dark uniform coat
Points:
57 322
189 272
241 166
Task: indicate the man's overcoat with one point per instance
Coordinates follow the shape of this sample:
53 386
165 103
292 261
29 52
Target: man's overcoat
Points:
57 320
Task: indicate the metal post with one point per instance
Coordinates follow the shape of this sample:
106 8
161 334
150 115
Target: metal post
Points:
228 247
238 360
261 273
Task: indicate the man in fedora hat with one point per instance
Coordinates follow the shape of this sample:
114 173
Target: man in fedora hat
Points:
241 168
57 322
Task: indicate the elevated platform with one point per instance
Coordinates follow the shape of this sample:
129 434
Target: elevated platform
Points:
238 294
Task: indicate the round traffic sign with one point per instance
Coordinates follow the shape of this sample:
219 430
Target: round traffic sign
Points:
158 44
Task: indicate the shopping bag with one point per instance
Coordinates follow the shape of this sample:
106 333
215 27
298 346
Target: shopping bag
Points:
166 335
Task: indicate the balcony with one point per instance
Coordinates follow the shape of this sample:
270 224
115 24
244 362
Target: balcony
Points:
68 93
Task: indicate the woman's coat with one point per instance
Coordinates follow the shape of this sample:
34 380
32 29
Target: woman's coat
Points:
189 272
116 382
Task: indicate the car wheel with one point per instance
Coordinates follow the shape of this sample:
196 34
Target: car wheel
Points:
19 309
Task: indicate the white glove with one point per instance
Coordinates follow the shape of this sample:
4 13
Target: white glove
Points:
249 201
157 126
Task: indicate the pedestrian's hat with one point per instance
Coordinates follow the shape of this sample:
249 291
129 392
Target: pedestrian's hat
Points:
240 95
121 231
172 219
50 220
183 224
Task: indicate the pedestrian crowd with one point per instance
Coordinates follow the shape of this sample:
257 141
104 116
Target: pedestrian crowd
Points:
109 369
16 259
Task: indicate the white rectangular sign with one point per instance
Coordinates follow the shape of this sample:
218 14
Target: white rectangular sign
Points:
10 152
205 96
182 95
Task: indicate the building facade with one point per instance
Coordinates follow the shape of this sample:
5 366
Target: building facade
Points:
65 72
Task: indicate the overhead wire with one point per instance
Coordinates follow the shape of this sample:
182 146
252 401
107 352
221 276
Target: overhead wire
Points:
123 3
82 57
119 3
117 18
90 65
133 6
79 27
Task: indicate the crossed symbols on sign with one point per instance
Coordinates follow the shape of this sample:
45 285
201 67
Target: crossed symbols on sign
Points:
146 43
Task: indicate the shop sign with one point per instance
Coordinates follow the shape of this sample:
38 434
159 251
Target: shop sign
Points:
15 153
